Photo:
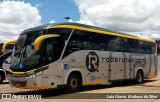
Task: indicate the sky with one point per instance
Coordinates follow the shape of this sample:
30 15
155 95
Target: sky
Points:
135 17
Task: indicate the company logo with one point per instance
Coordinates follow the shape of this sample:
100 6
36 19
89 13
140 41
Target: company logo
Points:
92 61
21 65
93 78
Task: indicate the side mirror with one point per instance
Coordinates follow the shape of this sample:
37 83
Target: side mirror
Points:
38 41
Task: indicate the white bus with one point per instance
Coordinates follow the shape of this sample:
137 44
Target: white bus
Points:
72 55
6 51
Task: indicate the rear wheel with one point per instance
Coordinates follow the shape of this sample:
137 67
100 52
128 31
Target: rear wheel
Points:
73 83
139 77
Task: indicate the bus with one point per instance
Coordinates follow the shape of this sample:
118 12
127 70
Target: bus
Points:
71 55
6 51
1 44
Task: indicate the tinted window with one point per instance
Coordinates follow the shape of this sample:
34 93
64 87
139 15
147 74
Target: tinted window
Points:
126 46
100 42
115 44
80 40
48 51
21 40
141 48
132 46
61 40
32 36
150 48
9 47
153 48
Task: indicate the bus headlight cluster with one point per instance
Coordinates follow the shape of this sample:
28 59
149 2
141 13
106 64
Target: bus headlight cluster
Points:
34 75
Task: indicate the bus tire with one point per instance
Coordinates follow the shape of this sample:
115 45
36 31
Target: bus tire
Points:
73 83
1 77
139 77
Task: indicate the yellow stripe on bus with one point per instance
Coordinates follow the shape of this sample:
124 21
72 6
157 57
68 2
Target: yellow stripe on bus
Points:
151 76
26 71
34 87
100 31
94 82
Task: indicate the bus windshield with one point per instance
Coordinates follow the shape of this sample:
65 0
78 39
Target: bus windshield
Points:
23 52
24 57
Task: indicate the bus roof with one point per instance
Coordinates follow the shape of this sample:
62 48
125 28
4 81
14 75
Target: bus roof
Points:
86 28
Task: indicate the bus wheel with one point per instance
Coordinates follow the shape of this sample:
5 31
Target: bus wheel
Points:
1 77
73 83
139 77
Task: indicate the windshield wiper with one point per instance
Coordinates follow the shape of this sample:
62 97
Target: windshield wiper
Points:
17 57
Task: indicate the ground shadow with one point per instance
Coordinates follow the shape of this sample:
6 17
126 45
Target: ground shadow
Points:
4 83
53 93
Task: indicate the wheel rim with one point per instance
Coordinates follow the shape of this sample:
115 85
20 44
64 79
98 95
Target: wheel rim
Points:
73 83
139 77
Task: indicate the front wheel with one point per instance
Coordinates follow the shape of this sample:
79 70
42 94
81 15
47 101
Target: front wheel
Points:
73 83
1 77
139 77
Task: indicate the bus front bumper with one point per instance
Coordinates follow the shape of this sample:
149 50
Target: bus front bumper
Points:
28 83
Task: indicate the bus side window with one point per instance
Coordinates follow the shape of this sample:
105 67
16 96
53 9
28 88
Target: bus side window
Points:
116 44
125 43
132 46
153 47
141 47
100 42
61 40
148 48
80 40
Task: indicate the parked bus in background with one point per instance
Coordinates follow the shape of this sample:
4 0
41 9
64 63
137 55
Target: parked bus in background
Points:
6 51
1 44
72 55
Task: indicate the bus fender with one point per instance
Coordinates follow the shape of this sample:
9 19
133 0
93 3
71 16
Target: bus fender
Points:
69 72
139 68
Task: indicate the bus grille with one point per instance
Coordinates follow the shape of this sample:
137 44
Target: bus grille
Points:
19 83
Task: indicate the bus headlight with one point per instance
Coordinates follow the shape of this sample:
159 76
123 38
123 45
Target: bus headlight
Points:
39 73
34 75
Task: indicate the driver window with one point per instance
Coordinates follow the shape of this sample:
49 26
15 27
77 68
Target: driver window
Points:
48 54
49 51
